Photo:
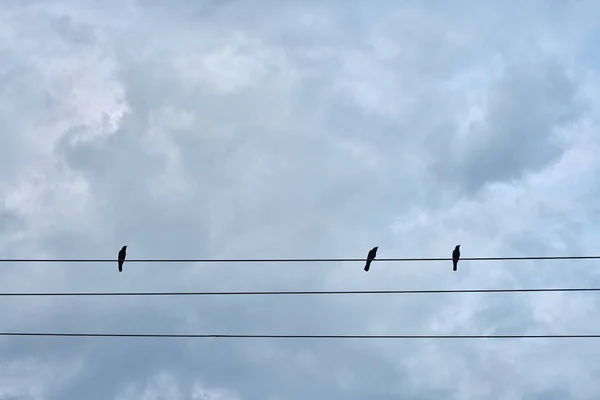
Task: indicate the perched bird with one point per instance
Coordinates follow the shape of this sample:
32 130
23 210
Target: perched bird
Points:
370 257
122 254
455 257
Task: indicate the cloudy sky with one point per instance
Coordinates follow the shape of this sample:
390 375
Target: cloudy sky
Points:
253 129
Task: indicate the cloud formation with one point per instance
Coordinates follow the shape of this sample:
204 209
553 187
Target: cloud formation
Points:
236 129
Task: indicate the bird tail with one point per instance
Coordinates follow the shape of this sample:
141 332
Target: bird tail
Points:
120 267
367 266
455 266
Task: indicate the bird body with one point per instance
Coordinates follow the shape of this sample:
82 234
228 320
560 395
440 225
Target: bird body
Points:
455 257
122 255
371 257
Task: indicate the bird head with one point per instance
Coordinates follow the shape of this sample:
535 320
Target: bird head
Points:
124 247
458 246
375 248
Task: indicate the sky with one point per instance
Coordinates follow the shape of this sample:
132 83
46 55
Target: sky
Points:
299 129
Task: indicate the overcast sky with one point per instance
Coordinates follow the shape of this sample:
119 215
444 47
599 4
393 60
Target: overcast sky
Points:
233 129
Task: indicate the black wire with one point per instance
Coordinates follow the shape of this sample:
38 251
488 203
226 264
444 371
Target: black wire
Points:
258 336
300 293
305 260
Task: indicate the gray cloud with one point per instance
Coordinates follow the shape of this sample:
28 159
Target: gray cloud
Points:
519 134
295 130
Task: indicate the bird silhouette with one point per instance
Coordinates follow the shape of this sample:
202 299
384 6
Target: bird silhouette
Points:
370 257
455 257
122 254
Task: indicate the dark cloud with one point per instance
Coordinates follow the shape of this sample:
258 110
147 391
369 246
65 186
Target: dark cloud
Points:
525 111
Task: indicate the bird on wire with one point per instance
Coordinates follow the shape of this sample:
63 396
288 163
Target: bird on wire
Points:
455 257
371 257
122 255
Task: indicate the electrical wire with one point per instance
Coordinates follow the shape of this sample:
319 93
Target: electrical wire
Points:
300 293
260 336
292 260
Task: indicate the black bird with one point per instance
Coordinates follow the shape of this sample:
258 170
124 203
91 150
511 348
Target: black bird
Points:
122 254
455 257
370 257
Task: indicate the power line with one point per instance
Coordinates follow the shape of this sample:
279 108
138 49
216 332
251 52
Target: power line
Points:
300 292
259 336
304 260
